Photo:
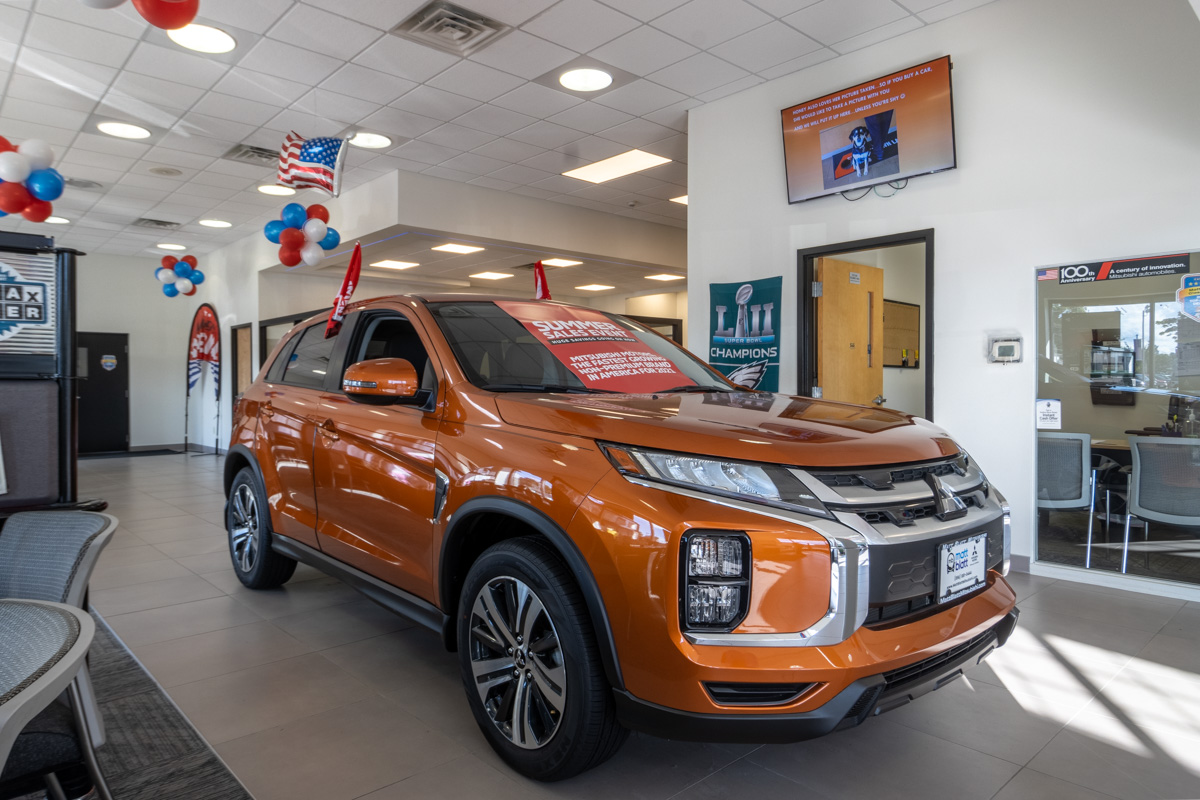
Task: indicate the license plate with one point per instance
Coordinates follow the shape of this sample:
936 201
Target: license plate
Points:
962 567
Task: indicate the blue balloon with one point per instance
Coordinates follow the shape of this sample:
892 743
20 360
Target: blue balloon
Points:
182 268
332 239
3 213
273 229
169 290
197 277
45 184
294 215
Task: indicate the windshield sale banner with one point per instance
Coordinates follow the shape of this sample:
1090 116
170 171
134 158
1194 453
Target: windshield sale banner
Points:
744 331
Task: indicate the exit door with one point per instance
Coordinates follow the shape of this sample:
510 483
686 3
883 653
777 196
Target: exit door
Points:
850 332
103 367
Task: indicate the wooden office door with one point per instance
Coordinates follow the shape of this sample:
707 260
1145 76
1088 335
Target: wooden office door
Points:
849 331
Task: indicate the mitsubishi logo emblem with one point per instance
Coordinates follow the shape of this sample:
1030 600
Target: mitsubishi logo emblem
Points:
949 506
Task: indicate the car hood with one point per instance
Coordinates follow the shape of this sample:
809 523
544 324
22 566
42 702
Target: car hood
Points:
751 426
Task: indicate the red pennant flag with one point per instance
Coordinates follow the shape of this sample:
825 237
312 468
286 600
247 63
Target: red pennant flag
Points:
338 312
541 290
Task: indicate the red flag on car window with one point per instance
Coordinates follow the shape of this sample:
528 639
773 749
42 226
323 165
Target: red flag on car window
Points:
541 291
338 312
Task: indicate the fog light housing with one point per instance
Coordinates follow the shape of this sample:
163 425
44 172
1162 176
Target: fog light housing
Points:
715 580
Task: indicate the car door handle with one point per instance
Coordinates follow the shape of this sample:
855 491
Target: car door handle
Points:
328 430
265 410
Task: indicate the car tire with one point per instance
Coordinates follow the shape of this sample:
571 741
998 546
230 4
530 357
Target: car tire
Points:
528 654
248 523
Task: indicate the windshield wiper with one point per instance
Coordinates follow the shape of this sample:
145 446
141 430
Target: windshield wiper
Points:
543 387
692 388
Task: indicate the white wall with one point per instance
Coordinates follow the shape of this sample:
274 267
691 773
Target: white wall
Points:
1064 111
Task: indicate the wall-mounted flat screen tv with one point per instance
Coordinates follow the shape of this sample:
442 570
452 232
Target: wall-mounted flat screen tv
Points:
880 131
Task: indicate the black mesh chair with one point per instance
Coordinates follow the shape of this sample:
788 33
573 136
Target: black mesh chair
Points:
1164 485
1067 477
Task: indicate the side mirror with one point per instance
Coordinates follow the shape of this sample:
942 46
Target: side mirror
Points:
388 379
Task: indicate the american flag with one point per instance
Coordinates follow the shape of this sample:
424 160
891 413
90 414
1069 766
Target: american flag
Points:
1047 274
315 163
541 290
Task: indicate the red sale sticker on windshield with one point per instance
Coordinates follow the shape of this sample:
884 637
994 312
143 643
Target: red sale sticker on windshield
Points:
597 350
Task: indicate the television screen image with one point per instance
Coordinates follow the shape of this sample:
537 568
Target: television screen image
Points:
888 129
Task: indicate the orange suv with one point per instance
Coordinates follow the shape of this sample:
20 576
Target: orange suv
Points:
610 534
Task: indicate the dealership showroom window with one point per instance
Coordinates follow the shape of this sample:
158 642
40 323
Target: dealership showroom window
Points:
599 398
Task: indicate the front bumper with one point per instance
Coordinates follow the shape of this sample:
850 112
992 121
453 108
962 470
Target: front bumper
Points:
865 697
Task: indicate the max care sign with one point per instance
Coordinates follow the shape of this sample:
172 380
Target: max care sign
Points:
744 338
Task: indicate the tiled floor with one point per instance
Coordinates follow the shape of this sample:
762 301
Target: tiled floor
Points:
312 692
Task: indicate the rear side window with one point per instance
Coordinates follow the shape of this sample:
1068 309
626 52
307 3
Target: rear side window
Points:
310 358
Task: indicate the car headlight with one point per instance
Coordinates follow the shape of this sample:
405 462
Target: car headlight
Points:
769 484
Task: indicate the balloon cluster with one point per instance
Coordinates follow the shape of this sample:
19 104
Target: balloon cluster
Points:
166 14
27 183
303 234
179 276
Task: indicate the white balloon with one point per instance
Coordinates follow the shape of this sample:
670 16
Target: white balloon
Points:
311 253
102 3
14 167
183 285
315 230
38 153
165 275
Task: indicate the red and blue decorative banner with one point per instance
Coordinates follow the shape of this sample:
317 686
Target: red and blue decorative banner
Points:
312 163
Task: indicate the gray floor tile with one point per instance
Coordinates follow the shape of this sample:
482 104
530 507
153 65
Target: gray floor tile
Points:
1112 606
139 525
744 778
333 626
124 556
1115 640
291 598
221 652
465 776
1026 585
107 577
1033 785
1185 623
193 546
175 622
156 594
1152 696
206 562
1176 652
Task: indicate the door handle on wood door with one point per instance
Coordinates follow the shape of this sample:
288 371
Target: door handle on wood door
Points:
328 430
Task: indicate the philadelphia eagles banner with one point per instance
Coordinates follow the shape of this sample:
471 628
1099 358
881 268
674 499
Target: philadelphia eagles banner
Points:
744 331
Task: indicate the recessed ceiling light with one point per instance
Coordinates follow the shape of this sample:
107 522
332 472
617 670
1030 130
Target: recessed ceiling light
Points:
459 248
371 141
492 276
585 80
595 287
682 200
279 191
389 264
165 246
123 130
202 38
57 220
216 223
559 262
166 172
617 166
664 277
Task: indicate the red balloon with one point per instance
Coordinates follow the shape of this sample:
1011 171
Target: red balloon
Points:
318 211
292 238
167 14
5 145
169 261
37 210
189 260
15 198
289 256
189 294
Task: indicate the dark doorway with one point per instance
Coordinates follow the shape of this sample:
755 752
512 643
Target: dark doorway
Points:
243 365
103 366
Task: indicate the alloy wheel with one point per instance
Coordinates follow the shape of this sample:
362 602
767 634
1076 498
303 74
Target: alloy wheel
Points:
244 527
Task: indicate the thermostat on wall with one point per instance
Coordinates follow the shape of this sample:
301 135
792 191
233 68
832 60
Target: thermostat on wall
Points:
1004 351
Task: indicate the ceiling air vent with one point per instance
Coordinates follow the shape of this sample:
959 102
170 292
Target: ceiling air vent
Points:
156 224
81 183
258 156
451 28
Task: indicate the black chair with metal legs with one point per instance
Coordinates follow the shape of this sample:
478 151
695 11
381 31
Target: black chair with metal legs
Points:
1068 477
1164 485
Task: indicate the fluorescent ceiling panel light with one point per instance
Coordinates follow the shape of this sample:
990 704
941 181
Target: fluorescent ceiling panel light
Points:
216 223
459 248
123 130
166 246
278 191
585 80
559 262
682 200
371 141
202 38
389 264
617 166
594 287
58 220
492 276
664 277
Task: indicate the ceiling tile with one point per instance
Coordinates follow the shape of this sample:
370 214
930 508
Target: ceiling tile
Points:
546 134
449 174
705 23
382 14
640 97
12 24
917 6
425 152
673 172
457 137
474 163
781 8
161 186
396 56
832 21
404 124
126 24
940 12
194 70
17 130
516 173
226 106
88 80
78 41
560 183
511 12
521 54
803 62
156 91
42 114
764 47
645 10
179 158
225 166
698 74
435 103
593 148
322 32
665 191
879 34
637 132
493 183
99 143
476 80
494 120
256 16
598 192
260 87
218 179
87 158
581 25
674 115
672 147
537 100
26 87
644 50
555 162
533 191
307 125
202 125
286 61
201 145
130 109
367 84
591 117
730 88
508 150
324 103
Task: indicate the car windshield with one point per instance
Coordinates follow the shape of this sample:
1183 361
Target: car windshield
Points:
512 346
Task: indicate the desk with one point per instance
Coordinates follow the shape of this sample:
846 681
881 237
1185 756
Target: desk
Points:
1110 444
